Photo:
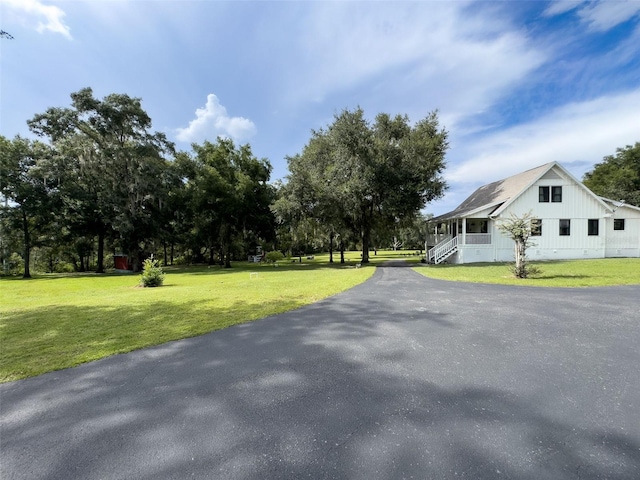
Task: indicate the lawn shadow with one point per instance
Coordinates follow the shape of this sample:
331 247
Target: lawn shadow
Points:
329 391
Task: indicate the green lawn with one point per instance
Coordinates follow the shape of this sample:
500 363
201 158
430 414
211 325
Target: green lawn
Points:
569 273
57 321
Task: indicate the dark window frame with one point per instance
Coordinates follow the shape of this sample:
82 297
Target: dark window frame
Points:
556 194
564 229
593 227
618 223
543 194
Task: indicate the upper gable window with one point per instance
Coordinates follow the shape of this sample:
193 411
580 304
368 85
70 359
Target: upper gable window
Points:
556 194
618 223
543 194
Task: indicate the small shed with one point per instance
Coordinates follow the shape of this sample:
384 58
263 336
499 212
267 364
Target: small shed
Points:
121 261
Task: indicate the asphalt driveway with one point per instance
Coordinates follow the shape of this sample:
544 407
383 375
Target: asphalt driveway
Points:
400 377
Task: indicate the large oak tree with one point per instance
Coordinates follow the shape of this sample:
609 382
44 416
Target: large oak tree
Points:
117 161
359 175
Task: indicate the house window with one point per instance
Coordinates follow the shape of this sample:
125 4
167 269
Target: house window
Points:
565 227
594 225
543 194
556 194
536 227
618 223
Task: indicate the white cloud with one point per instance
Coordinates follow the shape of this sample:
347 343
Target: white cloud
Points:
561 6
443 57
50 18
603 16
598 15
213 121
578 133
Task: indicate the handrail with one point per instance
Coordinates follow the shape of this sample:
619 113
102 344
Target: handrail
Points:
443 250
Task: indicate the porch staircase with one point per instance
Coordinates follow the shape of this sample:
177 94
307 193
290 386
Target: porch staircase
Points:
443 250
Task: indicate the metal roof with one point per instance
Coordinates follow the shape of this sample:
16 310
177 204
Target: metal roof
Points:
493 195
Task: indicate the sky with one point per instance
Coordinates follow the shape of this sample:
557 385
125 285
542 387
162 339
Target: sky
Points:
517 84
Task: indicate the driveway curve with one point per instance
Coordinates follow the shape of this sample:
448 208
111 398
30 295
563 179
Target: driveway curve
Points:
400 377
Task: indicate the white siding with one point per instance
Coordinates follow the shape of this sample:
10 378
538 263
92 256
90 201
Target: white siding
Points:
624 243
579 206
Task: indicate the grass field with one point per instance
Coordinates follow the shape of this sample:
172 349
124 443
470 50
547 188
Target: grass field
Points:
57 321
569 273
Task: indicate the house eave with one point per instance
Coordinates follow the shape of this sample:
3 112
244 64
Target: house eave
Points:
464 213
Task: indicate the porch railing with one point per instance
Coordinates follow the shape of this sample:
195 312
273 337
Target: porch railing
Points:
443 250
477 239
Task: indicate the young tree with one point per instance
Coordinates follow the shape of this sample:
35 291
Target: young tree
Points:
618 176
519 229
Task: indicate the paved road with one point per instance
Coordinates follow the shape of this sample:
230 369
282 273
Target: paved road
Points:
400 377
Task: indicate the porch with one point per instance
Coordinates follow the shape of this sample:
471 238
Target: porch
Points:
449 237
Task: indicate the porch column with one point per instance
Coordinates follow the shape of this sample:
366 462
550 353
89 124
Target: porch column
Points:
464 231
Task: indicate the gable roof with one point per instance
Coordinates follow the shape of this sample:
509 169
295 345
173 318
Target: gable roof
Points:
498 195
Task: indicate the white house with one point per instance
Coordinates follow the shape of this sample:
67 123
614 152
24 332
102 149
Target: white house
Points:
570 221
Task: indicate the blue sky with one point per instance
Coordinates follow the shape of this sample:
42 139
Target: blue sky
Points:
516 83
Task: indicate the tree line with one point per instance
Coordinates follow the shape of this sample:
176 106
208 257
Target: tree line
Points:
99 180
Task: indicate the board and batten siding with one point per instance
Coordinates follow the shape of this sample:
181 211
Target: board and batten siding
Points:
624 243
577 205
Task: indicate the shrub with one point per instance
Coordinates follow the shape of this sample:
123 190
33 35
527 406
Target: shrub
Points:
152 274
273 256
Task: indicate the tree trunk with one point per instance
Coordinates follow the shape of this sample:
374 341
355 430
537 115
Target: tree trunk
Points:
366 239
164 249
135 263
227 256
27 245
172 252
330 247
341 251
100 268
521 271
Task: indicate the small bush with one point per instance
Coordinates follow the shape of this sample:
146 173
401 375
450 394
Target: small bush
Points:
152 274
525 271
274 256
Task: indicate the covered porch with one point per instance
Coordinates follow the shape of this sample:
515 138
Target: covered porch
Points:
446 237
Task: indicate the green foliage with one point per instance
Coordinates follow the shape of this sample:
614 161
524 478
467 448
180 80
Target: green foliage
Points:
354 177
519 229
152 273
274 256
228 195
111 167
27 182
617 177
